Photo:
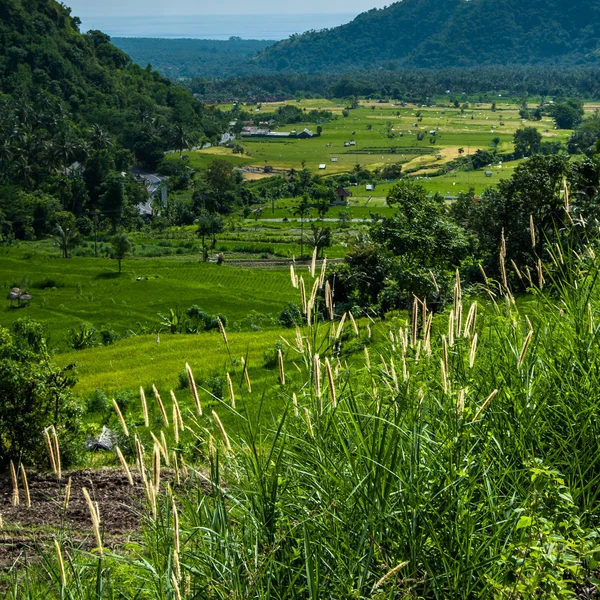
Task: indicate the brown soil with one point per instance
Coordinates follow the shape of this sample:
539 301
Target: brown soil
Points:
27 528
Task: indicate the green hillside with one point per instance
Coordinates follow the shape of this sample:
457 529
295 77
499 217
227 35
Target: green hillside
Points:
448 33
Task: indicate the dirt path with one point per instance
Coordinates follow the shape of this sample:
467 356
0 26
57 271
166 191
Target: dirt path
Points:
27 528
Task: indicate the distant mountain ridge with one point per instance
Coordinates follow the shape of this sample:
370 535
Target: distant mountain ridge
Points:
449 33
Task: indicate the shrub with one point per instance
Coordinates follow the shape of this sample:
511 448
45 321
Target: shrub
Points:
291 315
83 337
108 336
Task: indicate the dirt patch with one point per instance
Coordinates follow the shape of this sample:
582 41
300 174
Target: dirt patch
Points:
26 529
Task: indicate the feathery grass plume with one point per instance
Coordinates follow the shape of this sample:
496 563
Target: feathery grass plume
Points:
61 564
566 195
503 272
50 450
194 389
451 328
95 515
368 331
559 254
223 332
25 485
485 404
367 359
590 318
303 295
445 352
354 325
413 324
331 383
485 278
423 316
175 526
67 495
322 275
394 376
158 443
281 369
230 387
165 447
177 411
140 459
532 231
246 375
552 257
313 264
121 419
457 308
56 450
309 423
340 327
161 406
389 574
175 425
311 302
299 342
176 585
15 486
444 376
221 429
404 369
433 280
473 351
460 403
426 337
418 352
1 522
329 300
176 469
516 269
295 403
124 465
540 272
156 467
144 407
317 375
524 349
293 276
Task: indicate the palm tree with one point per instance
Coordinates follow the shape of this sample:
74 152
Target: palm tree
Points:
181 139
101 140
301 210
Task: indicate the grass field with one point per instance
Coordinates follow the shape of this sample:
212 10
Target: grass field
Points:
377 128
69 292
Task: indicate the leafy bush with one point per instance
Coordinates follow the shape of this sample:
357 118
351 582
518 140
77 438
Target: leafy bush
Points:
83 337
291 315
35 394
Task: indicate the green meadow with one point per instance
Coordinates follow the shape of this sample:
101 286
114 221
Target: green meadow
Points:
68 292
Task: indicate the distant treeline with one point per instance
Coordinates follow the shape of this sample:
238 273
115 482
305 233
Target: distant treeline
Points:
188 58
410 85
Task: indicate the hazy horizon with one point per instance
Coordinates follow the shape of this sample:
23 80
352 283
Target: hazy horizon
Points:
158 8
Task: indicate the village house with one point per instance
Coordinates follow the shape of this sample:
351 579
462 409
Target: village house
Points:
341 197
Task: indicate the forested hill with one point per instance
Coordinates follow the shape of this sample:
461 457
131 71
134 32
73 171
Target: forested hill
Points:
449 33
48 68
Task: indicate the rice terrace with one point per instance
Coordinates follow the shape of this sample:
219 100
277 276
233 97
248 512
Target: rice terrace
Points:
305 318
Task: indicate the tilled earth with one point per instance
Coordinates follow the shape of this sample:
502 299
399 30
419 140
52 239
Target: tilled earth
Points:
26 529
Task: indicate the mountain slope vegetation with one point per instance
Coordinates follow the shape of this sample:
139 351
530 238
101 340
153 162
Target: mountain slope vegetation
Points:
449 33
47 67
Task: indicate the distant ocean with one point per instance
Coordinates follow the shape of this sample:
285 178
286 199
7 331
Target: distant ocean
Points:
215 27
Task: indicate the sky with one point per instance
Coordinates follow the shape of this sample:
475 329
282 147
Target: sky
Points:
116 8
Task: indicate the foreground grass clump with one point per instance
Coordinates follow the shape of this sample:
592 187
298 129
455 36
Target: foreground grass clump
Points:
459 460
